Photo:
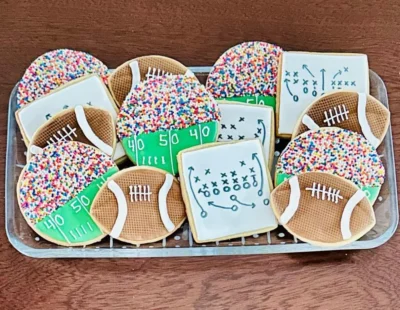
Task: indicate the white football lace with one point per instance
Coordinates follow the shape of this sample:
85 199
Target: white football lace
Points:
69 133
331 194
154 72
139 193
336 115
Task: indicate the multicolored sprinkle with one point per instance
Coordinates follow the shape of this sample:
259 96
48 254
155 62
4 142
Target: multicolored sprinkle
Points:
52 179
333 150
249 68
54 69
166 103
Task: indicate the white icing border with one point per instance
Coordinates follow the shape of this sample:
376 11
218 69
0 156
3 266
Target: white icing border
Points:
309 122
362 119
348 210
162 202
293 201
36 150
88 132
134 65
122 209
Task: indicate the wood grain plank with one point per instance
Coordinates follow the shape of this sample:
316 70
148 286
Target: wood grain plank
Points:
196 33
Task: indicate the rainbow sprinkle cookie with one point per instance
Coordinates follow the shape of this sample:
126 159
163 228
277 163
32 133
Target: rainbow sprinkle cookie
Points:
52 179
165 103
336 151
54 69
164 115
248 68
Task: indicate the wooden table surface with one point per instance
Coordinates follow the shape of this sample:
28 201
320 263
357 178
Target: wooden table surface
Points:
196 33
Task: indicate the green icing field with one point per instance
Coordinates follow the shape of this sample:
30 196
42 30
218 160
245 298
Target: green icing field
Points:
160 149
260 100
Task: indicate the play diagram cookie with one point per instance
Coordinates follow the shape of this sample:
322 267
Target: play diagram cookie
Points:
54 69
140 205
57 187
163 116
128 75
241 121
304 77
226 188
247 73
87 124
323 209
335 151
350 110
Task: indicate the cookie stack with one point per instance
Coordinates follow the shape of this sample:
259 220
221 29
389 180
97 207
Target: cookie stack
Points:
202 153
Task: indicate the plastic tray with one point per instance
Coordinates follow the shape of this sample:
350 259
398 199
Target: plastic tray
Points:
181 243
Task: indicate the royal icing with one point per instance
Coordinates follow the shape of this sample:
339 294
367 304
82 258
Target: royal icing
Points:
246 72
305 77
347 212
163 116
241 121
230 194
54 69
57 188
122 209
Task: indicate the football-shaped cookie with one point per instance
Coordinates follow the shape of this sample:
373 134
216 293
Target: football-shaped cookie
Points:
350 110
323 209
90 125
139 205
129 74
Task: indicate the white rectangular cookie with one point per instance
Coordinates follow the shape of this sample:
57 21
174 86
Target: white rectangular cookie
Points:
88 90
240 121
304 77
226 188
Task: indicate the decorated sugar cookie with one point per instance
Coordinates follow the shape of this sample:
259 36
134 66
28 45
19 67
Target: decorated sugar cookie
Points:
139 205
304 77
247 73
54 69
163 116
128 75
87 124
57 187
244 121
336 151
323 209
226 188
84 91
357 112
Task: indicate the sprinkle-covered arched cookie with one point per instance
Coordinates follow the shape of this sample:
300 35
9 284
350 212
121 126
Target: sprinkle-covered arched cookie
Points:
246 72
57 187
54 69
163 116
336 151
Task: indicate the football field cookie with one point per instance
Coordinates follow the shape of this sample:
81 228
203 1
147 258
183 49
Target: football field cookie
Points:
304 77
57 187
139 205
128 75
226 188
163 116
90 125
54 69
244 121
247 73
350 110
323 209
335 151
